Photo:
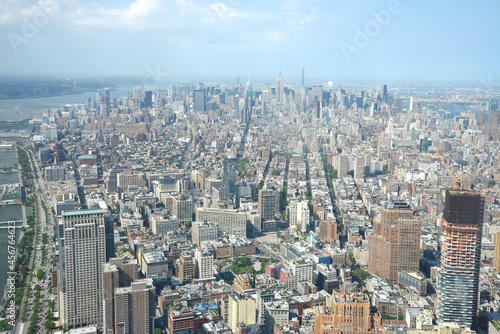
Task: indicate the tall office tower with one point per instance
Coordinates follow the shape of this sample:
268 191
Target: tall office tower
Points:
134 308
200 104
185 267
458 285
343 168
248 103
317 93
496 254
384 92
280 92
107 102
204 263
82 240
109 227
204 231
303 85
267 204
266 93
395 243
229 179
410 104
241 309
148 99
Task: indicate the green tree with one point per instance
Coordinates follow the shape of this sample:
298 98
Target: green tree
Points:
5 326
360 274
39 274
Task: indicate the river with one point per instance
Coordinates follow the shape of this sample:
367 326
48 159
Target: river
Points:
20 109
10 212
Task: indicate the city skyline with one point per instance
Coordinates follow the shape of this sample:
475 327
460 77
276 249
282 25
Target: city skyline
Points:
375 40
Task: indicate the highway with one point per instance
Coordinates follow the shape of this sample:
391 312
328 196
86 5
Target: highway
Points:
45 263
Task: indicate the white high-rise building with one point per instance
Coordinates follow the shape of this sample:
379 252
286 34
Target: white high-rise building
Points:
298 214
204 264
82 244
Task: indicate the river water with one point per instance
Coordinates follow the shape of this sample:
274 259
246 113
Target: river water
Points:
10 212
20 109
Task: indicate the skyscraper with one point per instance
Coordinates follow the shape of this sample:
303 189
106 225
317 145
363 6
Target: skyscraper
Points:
458 285
200 104
82 240
106 105
280 93
395 243
148 99
303 85
267 204
229 179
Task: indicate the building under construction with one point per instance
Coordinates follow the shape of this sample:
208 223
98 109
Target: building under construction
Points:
458 285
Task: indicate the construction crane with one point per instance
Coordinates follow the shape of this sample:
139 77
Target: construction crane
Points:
457 180
243 173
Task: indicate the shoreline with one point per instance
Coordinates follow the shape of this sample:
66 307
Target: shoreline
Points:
21 228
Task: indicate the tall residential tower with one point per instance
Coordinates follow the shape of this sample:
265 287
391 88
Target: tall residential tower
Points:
458 285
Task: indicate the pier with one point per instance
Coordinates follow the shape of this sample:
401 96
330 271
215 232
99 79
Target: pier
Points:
6 225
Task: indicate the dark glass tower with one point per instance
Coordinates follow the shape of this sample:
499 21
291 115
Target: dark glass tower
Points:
229 179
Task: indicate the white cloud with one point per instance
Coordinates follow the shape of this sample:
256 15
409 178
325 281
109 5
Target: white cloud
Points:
9 11
141 8
136 15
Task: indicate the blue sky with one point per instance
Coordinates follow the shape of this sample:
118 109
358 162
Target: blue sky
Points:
346 40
